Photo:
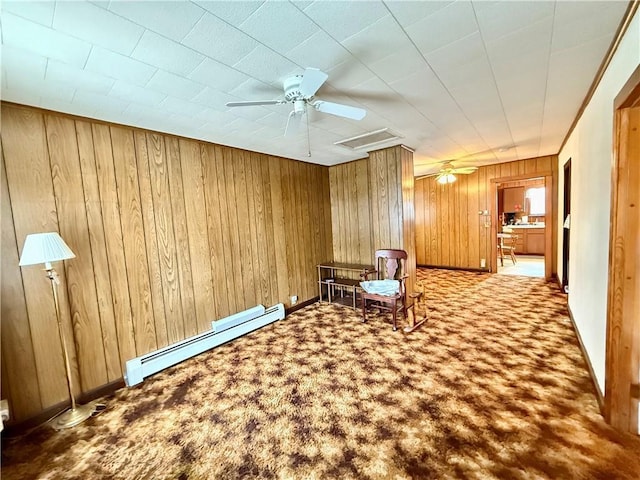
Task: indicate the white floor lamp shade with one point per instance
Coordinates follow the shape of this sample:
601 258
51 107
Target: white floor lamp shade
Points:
44 248
48 248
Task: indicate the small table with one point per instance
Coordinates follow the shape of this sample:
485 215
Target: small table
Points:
332 281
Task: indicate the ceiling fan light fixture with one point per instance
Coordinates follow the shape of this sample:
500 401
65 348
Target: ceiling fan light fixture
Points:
446 178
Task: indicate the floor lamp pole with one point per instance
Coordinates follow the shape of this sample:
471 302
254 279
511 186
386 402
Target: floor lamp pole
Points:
78 413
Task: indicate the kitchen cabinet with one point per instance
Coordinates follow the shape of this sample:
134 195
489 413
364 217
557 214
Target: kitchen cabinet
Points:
513 199
534 243
530 240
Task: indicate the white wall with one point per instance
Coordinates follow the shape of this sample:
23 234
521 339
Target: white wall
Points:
590 148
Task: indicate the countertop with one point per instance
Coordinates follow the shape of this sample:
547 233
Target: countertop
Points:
527 225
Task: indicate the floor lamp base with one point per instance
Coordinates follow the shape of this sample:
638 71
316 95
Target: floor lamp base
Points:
74 416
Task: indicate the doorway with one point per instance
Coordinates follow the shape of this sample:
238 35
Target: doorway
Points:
523 223
566 225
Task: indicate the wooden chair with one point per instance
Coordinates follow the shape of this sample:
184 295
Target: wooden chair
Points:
390 265
507 245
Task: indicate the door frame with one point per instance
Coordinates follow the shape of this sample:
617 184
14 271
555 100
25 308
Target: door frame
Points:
549 216
622 390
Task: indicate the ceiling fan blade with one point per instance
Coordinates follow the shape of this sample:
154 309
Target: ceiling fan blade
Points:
428 176
340 110
464 170
254 103
293 123
312 80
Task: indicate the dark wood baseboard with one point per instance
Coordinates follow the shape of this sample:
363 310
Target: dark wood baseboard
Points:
300 305
596 387
22 427
446 267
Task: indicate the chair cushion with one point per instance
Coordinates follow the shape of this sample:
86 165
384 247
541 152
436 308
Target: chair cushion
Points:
381 287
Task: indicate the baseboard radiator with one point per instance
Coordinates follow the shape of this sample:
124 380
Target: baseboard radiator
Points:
222 331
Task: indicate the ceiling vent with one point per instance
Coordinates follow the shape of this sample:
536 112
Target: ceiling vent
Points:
369 139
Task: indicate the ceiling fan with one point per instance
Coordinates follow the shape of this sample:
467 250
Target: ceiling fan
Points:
299 91
447 173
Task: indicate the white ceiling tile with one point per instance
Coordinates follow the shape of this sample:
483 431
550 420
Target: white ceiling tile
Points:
18 65
101 103
181 107
522 50
166 54
495 133
136 94
479 99
381 39
295 27
218 40
83 80
456 54
65 106
465 74
343 19
253 113
43 41
39 12
217 75
214 99
242 125
566 87
399 65
209 115
517 91
252 89
580 22
367 92
301 4
451 23
97 25
138 112
265 65
318 51
47 89
182 125
497 19
166 82
409 12
234 12
119 66
275 120
171 19
418 85
18 95
347 74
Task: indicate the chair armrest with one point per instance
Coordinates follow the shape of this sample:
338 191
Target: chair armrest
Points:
366 273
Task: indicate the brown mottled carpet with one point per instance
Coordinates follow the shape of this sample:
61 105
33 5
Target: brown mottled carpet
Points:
493 386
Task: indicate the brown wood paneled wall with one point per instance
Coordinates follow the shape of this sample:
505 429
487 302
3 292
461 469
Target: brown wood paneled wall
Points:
449 230
351 212
372 207
169 234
